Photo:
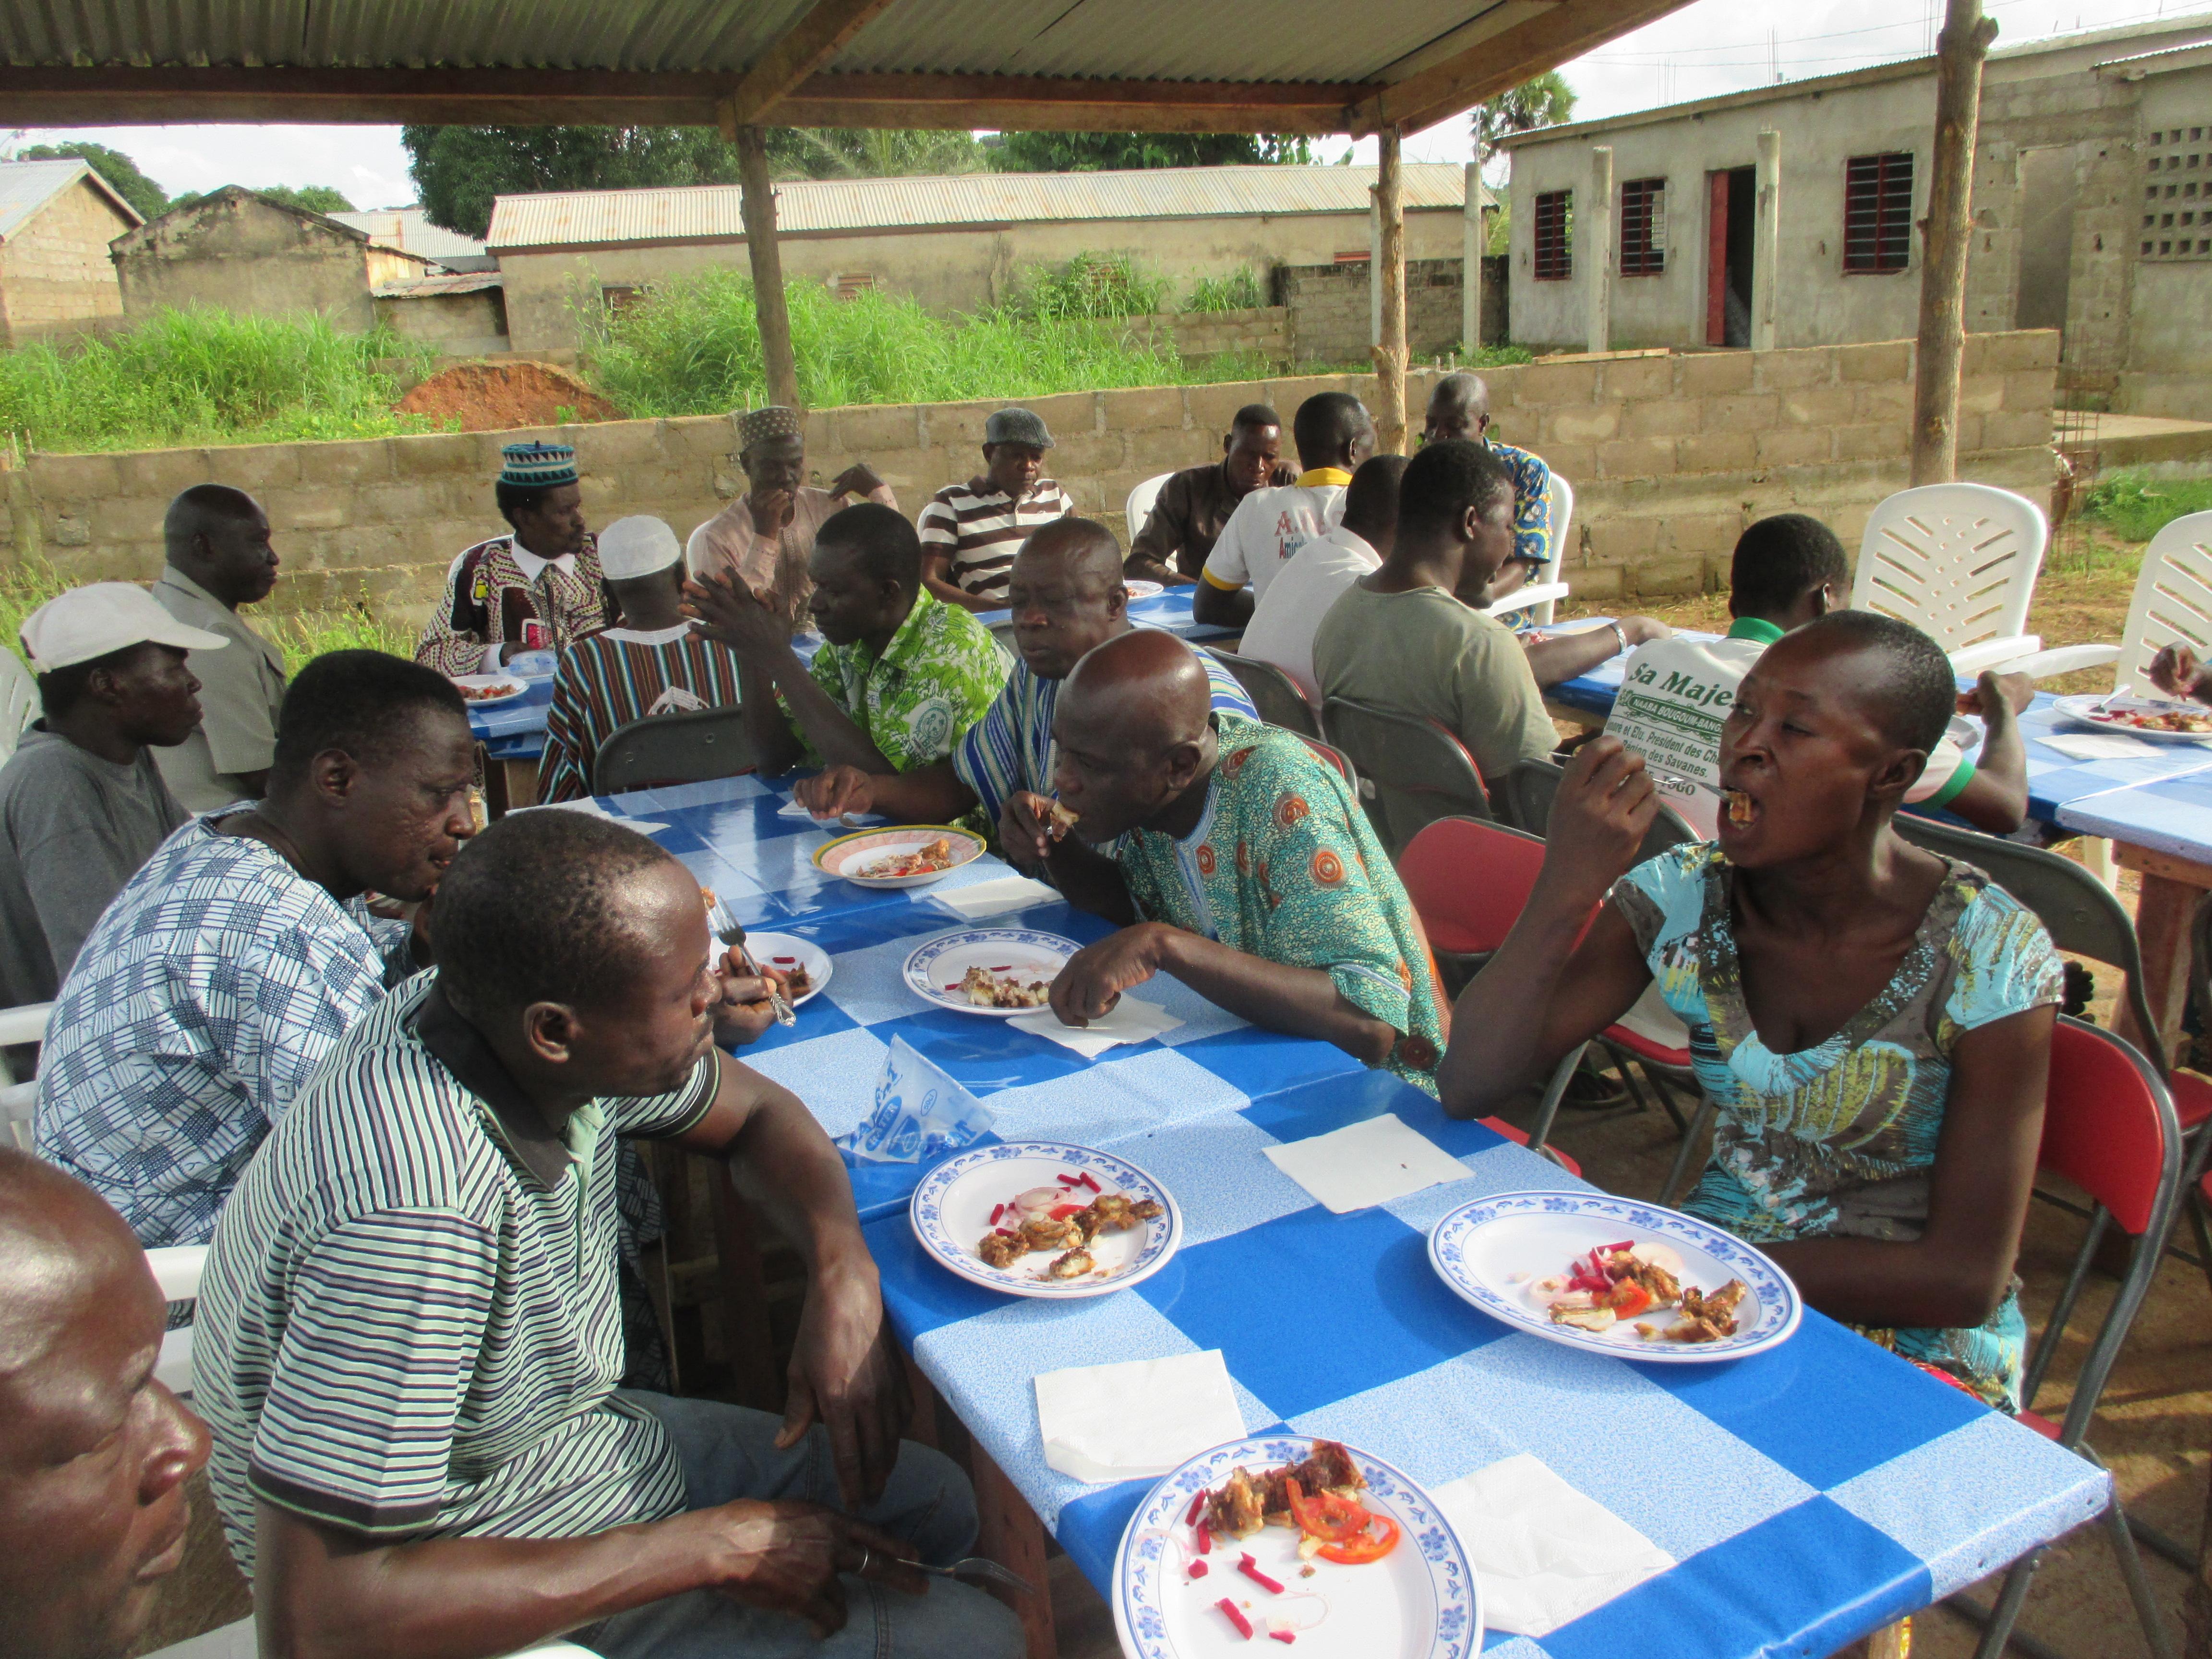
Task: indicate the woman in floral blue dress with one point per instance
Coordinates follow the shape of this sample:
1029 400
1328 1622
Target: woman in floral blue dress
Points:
1872 1022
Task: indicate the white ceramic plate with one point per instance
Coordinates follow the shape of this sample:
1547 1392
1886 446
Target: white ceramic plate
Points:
1420 1602
1144 590
935 970
787 951
2080 711
504 688
849 856
1492 1251
952 1212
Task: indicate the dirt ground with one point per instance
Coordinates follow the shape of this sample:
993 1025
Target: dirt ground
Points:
495 397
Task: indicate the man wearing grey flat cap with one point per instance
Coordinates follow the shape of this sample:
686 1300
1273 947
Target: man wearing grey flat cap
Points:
970 532
765 536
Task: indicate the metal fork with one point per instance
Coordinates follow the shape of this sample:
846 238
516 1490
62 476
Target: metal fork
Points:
731 931
975 1568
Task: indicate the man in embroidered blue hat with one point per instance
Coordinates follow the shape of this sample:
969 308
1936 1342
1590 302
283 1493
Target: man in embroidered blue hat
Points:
537 588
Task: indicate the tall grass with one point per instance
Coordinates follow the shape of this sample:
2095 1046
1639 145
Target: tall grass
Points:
202 376
1090 287
2135 507
1238 291
692 347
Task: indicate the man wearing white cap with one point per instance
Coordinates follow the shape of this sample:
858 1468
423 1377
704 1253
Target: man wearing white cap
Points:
656 663
81 803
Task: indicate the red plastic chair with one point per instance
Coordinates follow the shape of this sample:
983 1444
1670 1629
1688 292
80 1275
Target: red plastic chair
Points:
2109 1127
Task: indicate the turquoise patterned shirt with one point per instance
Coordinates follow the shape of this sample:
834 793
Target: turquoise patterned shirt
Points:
1532 503
1839 1139
1284 864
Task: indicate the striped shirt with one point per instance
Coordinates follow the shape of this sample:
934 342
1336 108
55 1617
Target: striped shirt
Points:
979 533
198 1011
607 681
409 1326
1011 747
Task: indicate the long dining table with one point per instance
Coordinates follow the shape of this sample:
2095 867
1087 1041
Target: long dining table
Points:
1808 1496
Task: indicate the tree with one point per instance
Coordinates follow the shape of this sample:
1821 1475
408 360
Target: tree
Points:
312 198
459 171
1546 101
1088 152
113 165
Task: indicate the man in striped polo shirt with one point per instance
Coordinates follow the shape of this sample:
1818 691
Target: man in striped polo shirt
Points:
1067 594
656 662
970 532
409 1336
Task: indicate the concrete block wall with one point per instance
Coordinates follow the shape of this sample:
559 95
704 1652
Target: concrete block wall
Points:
1331 316
1670 456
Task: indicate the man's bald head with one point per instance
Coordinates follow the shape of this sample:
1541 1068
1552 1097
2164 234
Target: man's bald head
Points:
1149 684
1066 594
1459 407
1134 731
219 536
94 1452
1084 548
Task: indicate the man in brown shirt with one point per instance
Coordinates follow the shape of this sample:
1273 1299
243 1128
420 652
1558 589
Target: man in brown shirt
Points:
765 536
1171 545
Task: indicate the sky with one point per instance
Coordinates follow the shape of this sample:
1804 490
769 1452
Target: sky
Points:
1707 48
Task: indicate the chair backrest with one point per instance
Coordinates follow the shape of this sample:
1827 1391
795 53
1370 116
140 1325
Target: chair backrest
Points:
689 748
1415 771
1338 761
1140 505
1470 880
1957 561
2077 910
1562 496
19 701
1532 783
1273 693
2173 600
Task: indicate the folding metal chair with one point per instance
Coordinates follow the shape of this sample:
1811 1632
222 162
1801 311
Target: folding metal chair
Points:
1273 693
2109 1127
1413 770
688 748
1959 561
1338 761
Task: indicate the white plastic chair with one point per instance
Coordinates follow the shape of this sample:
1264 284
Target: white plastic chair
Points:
177 1270
1959 561
1140 505
19 701
19 1102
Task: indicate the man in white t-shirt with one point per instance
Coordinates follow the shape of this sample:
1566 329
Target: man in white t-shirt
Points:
1334 434
1789 569
1283 620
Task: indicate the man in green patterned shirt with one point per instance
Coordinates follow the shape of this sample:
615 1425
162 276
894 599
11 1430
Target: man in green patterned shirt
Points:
902 675
1245 867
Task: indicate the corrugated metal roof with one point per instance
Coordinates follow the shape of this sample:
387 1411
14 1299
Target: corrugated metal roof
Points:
710 212
409 230
26 187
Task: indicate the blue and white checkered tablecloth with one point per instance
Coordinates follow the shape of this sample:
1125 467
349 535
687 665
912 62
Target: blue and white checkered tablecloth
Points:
1810 1495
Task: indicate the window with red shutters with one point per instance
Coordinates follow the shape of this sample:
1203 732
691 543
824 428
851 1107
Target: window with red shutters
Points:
1878 212
1555 252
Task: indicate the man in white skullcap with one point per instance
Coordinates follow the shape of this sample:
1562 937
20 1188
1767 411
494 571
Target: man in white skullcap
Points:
81 803
655 663
765 536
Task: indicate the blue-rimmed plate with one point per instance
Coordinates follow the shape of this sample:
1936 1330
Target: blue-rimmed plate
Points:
869 858
952 1212
939 967
1420 1602
2118 713
1492 1251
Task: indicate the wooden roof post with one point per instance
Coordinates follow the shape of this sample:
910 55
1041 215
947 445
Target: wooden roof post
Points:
1594 230
1390 349
1959 53
758 205
1470 276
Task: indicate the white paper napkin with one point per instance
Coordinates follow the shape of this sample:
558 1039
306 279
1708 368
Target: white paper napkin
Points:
2100 745
592 808
983 899
792 808
1545 1552
1130 1021
1144 1418
1368 1163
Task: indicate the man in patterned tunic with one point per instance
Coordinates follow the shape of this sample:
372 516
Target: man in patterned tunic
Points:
535 588
1245 868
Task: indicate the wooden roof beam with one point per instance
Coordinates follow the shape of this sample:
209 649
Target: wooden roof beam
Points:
800 51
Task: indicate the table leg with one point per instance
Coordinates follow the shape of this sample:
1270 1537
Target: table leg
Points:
744 1294
1009 1533
2170 893
1891 1642
922 1416
521 782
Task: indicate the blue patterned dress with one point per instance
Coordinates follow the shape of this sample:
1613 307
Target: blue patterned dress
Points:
1839 1140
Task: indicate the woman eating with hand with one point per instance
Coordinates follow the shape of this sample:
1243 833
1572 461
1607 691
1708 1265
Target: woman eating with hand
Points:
1872 1021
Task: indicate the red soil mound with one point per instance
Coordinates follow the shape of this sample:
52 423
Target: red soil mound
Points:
491 397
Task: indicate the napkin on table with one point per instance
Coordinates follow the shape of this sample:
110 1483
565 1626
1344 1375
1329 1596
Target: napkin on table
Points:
1367 1163
1142 1417
792 808
983 899
2099 745
1130 1021
592 808
1545 1552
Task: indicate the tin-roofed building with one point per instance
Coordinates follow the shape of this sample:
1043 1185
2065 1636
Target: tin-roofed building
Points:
956 243
57 219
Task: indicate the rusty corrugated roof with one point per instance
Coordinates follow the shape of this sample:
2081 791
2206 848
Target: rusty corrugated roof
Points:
710 212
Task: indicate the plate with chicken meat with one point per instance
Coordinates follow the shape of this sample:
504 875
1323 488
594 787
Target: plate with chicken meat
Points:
1045 1218
995 971
1612 1276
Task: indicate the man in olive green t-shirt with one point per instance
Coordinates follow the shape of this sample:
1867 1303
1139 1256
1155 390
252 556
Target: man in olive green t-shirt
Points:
1407 637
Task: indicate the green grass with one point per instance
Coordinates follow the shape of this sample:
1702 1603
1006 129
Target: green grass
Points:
202 376
1237 291
1090 287
2135 507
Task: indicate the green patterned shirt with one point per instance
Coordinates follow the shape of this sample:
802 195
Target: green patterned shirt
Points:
938 675
1285 866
